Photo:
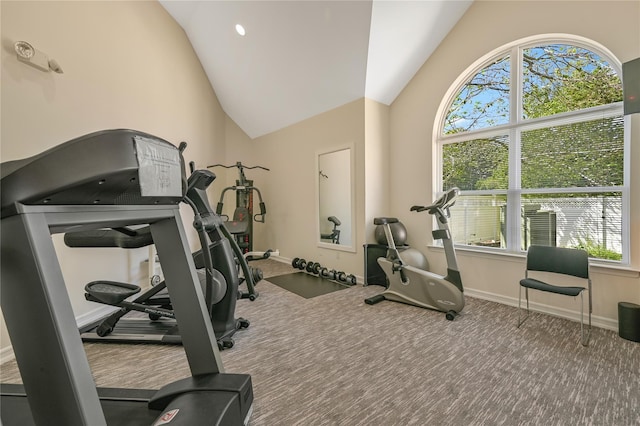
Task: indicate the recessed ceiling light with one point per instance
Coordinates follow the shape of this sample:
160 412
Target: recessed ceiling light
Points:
240 29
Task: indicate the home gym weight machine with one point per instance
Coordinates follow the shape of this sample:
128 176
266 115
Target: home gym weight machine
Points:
415 285
108 179
241 224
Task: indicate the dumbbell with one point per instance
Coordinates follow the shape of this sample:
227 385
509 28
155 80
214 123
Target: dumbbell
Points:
328 273
295 262
310 266
351 279
341 276
302 264
316 268
256 274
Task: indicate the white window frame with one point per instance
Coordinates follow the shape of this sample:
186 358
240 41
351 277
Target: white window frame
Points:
517 124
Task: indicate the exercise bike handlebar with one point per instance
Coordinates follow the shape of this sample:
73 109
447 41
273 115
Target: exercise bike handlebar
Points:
447 200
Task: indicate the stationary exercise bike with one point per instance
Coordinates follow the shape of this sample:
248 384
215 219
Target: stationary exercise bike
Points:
334 235
420 287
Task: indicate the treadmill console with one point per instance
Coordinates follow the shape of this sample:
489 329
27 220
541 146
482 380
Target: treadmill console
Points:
111 167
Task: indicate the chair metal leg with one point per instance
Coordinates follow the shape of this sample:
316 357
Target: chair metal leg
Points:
526 292
585 339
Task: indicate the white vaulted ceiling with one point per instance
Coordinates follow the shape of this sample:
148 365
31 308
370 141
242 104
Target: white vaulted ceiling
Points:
301 58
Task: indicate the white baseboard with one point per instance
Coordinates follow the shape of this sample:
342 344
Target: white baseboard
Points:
359 279
281 259
596 321
6 354
94 315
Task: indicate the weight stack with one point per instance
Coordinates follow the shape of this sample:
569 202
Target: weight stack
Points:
629 321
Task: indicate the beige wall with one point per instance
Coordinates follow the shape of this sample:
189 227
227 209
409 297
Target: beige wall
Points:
486 26
289 189
126 65
376 173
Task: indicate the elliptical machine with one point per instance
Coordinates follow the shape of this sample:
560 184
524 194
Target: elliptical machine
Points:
420 287
216 268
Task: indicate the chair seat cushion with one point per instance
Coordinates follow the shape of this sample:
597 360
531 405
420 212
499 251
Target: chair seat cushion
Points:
542 286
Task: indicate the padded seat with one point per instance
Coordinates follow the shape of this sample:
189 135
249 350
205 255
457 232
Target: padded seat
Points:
542 286
240 223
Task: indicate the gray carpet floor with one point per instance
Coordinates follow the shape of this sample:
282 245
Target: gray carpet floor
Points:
333 360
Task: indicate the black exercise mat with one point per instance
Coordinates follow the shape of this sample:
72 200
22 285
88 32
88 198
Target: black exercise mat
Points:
306 285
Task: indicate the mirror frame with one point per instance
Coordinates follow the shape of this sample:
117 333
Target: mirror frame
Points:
352 176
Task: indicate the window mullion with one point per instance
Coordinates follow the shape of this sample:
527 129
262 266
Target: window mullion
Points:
513 194
515 112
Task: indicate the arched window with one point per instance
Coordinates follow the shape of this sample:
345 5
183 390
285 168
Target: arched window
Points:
534 136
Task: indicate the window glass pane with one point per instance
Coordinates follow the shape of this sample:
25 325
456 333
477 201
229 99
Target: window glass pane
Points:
476 164
479 220
589 221
587 154
560 78
482 102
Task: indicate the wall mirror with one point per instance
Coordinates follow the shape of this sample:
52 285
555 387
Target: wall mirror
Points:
335 196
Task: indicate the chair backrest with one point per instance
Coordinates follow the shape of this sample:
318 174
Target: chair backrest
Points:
558 260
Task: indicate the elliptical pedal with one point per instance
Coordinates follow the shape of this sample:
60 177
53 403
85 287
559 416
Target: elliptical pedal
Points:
109 292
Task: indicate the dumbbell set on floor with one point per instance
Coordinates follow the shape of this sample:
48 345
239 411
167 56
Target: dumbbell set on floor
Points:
316 268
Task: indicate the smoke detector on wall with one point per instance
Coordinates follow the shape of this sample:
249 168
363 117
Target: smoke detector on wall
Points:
29 55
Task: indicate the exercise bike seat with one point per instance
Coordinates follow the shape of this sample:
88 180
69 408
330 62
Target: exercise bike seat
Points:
384 220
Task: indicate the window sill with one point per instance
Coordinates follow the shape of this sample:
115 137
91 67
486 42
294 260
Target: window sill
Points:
599 266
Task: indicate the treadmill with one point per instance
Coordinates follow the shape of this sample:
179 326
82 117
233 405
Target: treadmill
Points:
107 179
